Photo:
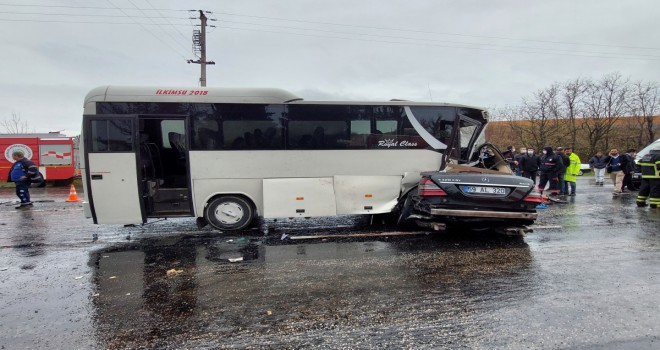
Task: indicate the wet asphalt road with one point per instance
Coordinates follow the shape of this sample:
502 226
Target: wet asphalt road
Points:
588 277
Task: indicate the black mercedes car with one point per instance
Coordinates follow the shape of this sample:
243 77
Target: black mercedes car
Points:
481 195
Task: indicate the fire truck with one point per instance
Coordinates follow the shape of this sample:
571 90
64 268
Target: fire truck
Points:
53 153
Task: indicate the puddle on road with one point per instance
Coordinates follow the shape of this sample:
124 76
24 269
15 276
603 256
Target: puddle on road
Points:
185 291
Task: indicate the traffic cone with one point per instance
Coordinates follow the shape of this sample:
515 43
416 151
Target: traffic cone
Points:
73 196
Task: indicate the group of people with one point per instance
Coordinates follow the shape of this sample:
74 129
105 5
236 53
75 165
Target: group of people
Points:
557 168
620 167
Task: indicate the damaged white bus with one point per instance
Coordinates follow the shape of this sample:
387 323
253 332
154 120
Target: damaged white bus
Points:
227 156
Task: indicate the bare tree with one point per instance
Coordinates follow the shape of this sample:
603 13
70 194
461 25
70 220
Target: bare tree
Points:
644 103
15 125
571 97
604 104
541 114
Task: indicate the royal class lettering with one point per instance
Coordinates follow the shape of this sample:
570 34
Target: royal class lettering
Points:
175 92
389 143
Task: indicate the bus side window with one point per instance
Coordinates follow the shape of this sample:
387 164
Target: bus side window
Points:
112 135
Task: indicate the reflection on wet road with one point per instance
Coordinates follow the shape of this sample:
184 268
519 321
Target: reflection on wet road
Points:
297 295
588 277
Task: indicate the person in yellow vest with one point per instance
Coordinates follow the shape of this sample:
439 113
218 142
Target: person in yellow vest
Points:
572 170
650 189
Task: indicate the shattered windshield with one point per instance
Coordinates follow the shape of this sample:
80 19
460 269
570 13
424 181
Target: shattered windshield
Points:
434 124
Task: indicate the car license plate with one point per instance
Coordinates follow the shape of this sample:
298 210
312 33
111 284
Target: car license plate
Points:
484 190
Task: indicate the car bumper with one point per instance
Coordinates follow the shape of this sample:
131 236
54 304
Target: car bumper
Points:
483 214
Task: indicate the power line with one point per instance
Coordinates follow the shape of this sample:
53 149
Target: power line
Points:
88 7
148 31
440 41
158 24
167 20
351 25
434 32
534 50
83 22
435 45
84 15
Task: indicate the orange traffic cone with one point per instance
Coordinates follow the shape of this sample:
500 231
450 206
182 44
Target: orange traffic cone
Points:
73 196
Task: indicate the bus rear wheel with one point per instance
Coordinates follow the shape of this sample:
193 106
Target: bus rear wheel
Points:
229 213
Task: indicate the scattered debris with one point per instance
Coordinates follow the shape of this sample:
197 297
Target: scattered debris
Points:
173 272
269 312
112 277
4 268
79 277
235 259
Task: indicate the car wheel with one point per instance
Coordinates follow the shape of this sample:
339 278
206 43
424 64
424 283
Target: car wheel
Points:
580 173
229 213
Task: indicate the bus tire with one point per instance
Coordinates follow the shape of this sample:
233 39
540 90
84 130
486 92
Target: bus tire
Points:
229 213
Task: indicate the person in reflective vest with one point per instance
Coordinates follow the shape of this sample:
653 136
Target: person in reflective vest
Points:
650 189
572 171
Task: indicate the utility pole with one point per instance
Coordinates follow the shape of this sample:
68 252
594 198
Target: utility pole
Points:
199 46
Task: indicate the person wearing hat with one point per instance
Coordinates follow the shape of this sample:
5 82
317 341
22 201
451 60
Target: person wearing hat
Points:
23 173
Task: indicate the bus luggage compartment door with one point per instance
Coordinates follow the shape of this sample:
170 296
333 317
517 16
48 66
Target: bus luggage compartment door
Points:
367 194
115 195
299 197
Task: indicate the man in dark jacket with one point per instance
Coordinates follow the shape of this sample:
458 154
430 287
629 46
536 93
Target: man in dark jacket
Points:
550 167
562 169
529 165
630 170
22 173
598 163
509 157
518 158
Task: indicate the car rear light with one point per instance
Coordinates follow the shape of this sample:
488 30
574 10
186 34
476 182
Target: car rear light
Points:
429 188
535 196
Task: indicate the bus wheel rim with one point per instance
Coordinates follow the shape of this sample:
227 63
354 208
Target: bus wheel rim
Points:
229 213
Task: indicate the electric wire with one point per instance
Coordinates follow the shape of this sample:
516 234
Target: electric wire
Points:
142 24
167 20
352 25
148 31
175 40
434 32
438 45
84 15
470 45
88 7
442 41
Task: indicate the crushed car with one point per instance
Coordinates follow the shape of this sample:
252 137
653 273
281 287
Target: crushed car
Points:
482 194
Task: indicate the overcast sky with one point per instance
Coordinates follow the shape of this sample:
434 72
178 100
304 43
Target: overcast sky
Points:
484 53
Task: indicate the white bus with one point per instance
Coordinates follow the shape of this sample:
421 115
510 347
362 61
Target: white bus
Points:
227 156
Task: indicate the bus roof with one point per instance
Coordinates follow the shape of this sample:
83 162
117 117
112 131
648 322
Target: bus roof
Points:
224 95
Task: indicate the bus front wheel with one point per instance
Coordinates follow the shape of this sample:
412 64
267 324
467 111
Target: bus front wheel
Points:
229 213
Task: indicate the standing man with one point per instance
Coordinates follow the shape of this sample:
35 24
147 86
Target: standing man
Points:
518 158
630 170
509 157
562 170
650 189
551 164
616 166
598 163
572 171
22 173
529 165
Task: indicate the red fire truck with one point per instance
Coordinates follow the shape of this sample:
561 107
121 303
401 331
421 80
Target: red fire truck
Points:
53 153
